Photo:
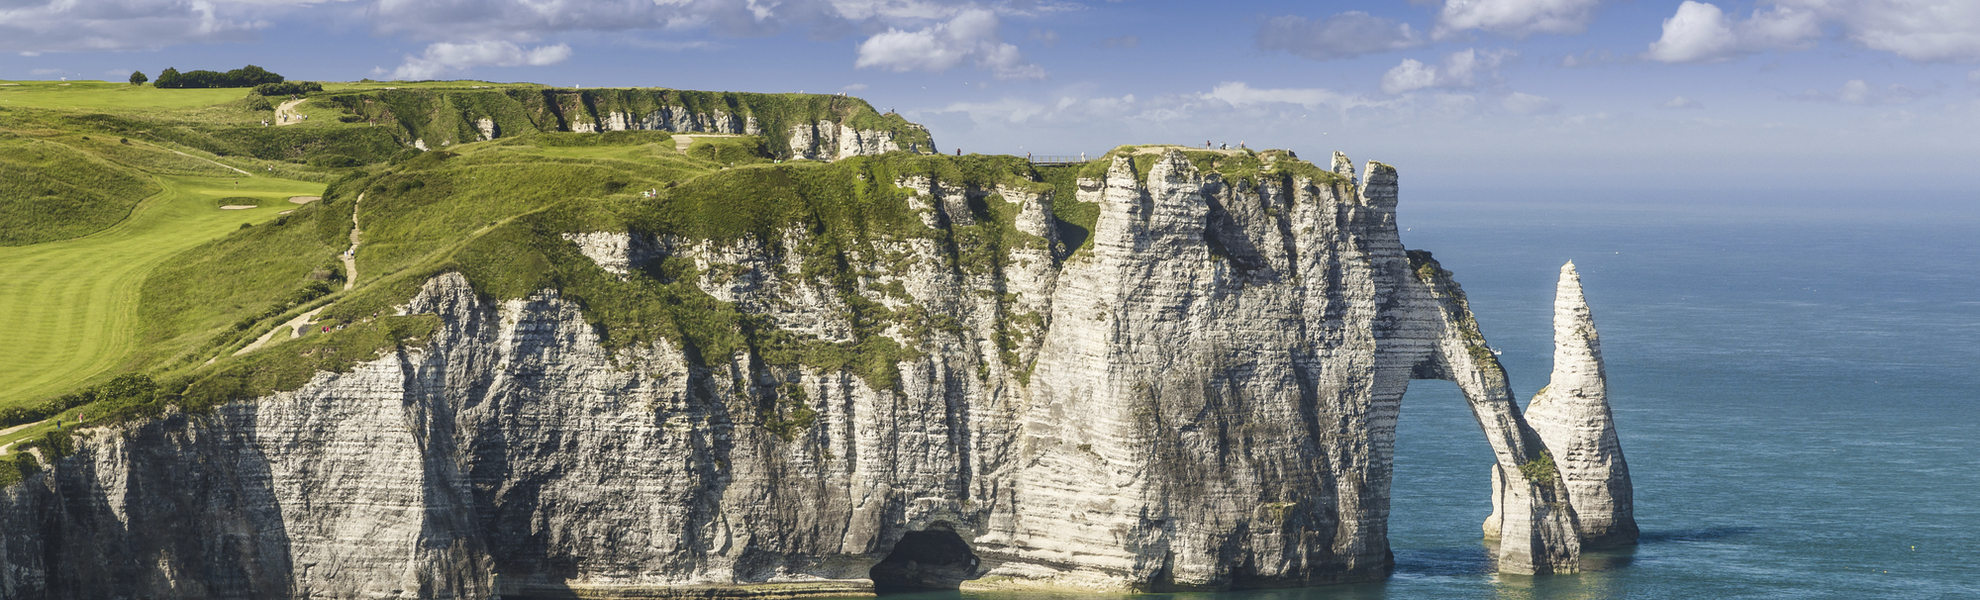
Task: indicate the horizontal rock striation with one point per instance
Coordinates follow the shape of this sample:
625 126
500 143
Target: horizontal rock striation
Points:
1204 398
1572 415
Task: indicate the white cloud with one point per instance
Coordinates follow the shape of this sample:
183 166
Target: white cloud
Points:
31 27
1681 103
1345 35
971 35
1698 32
527 20
1973 76
1529 104
1518 18
1412 74
1460 70
1701 32
447 58
45 72
1860 93
1240 94
1921 30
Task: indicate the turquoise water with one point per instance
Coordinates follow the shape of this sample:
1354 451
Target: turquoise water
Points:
1796 378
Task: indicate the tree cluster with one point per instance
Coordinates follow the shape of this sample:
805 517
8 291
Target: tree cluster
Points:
287 88
248 76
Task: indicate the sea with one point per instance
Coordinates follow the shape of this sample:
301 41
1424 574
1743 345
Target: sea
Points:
1795 375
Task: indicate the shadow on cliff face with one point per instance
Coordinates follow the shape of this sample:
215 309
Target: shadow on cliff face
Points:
925 561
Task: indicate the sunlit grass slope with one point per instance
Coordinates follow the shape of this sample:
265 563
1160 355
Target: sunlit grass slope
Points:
116 318
71 304
104 95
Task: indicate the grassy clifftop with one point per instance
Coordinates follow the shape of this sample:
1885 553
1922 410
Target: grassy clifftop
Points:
200 297
440 116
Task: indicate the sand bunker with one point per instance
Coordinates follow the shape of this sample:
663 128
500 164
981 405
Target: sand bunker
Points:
304 199
238 207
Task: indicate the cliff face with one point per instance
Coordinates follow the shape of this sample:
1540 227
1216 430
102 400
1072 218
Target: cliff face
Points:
811 126
1205 398
1572 415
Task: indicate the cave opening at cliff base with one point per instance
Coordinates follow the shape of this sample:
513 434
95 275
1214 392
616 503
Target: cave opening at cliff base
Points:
932 560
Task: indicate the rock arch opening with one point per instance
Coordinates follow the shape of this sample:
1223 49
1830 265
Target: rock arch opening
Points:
932 560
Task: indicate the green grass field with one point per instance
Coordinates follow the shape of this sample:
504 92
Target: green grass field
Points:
71 303
126 267
104 95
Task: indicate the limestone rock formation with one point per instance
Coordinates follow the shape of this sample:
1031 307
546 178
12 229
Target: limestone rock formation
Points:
1206 397
827 140
814 126
1572 415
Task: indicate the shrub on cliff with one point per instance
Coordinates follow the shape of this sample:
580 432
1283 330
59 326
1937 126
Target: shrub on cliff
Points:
129 388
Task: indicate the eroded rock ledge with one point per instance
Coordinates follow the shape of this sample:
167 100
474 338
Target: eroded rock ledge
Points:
1204 399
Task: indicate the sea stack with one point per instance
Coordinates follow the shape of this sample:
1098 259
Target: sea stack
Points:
1572 417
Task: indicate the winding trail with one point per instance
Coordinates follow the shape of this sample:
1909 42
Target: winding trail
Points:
350 256
9 430
294 327
286 113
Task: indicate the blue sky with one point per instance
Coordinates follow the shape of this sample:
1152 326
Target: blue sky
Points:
1566 94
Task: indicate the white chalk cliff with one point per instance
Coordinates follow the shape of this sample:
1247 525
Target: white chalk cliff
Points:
1205 399
1572 415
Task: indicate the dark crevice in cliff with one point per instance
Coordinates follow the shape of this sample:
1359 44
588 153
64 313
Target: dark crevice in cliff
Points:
932 560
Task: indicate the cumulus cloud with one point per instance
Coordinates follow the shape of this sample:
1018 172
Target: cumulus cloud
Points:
1345 35
1920 30
1459 70
31 27
1701 32
1681 103
970 36
1858 92
447 58
1518 18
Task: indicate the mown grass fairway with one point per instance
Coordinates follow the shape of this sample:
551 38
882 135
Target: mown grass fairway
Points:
70 304
104 95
